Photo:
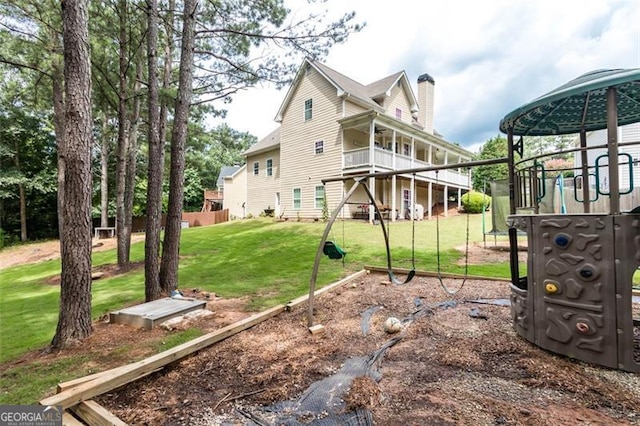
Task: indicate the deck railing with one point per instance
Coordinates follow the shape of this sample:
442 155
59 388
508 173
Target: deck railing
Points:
385 160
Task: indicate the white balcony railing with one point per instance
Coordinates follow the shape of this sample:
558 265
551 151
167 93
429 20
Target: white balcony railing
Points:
384 159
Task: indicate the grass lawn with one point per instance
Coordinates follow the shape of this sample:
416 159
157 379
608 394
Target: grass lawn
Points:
268 261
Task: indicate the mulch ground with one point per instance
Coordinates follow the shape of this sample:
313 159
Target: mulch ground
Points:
462 364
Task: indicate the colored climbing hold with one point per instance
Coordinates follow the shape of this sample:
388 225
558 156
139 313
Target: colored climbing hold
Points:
562 240
586 273
582 327
551 288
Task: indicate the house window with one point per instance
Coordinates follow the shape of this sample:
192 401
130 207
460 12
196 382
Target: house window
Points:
269 167
308 109
319 146
256 168
319 196
399 113
406 149
297 199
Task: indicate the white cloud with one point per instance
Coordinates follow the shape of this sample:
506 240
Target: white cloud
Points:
487 58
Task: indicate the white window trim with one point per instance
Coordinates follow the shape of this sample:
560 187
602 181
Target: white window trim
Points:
304 110
256 170
294 199
319 202
315 147
268 170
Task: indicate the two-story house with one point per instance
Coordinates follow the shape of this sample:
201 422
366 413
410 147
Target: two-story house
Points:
331 125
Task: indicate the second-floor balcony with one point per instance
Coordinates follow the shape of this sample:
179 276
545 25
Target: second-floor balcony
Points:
385 160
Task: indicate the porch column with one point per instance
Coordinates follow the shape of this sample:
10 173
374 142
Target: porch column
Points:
446 200
430 200
446 161
393 148
413 197
430 154
413 154
459 197
372 163
393 197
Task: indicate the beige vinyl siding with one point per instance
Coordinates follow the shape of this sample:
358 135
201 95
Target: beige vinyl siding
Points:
235 193
303 168
352 109
262 189
398 99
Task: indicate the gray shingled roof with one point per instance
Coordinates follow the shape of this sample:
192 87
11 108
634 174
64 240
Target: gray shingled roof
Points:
270 141
225 171
360 91
380 87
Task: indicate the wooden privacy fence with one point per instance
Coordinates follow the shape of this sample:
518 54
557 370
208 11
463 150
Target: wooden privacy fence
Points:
205 218
193 218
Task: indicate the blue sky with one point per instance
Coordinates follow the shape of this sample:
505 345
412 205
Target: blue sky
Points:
487 58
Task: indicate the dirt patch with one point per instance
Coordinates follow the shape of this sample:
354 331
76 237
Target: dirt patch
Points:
478 254
450 367
48 250
113 345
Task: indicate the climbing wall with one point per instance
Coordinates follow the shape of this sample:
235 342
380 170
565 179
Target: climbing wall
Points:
574 286
572 282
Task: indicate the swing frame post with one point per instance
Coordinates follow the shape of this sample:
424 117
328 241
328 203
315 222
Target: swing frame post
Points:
360 180
319 252
314 274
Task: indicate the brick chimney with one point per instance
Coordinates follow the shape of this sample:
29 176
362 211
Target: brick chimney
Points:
426 85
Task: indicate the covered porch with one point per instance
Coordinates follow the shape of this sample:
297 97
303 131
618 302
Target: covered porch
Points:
402 198
377 143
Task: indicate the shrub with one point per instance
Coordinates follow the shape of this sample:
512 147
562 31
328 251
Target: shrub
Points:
475 202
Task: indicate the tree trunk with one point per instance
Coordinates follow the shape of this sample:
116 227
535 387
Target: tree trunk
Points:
104 175
23 198
171 246
131 161
155 167
74 321
23 213
123 140
166 76
59 129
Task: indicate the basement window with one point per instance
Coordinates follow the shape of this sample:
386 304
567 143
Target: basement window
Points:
297 198
319 196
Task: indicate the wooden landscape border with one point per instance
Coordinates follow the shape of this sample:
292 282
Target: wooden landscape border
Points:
75 395
436 274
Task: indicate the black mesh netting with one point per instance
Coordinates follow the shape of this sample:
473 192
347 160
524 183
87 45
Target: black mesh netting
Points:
323 404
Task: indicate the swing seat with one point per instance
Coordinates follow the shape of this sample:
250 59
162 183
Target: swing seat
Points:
333 250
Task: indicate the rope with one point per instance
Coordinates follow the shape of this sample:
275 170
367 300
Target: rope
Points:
342 249
466 263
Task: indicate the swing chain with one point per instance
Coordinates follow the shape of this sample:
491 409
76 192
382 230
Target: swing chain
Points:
466 265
